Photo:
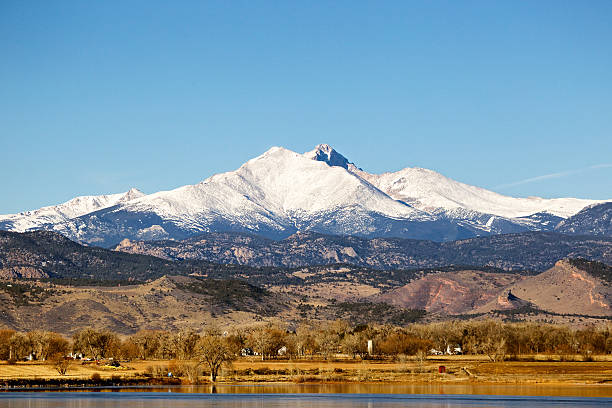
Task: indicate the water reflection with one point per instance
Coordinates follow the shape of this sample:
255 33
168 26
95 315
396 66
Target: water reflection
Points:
600 390
188 400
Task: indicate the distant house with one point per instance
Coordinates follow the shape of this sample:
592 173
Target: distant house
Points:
453 351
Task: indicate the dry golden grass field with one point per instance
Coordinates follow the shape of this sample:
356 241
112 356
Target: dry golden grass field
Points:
472 369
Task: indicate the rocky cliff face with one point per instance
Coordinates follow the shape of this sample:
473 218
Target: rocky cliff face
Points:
27 272
41 254
527 251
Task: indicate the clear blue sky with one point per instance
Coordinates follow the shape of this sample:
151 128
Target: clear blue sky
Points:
96 97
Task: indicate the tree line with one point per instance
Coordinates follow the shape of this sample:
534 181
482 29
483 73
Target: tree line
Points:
495 339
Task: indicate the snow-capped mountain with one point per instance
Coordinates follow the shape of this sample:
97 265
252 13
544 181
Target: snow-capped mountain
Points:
281 192
56 214
275 195
470 206
428 190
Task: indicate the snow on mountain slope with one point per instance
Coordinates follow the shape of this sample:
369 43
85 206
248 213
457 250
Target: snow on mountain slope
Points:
430 191
281 192
55 214
427 190
275 194
279 183
592 220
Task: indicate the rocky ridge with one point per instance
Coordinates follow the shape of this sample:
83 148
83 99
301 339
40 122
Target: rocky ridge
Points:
536 251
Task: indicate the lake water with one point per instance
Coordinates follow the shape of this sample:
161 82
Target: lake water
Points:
318 396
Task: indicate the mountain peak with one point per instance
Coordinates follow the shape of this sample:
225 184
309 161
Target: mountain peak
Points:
132 194
325 148
327 154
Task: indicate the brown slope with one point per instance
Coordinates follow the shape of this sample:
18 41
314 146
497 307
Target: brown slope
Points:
168 303
562 289
450 292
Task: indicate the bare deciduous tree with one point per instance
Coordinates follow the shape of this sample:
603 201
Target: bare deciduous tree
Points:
184 344
492 341
147 342
96 343
267 340
61 363
5 344
213 350
19 346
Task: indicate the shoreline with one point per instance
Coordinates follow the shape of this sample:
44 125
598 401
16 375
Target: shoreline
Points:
457 370
545 390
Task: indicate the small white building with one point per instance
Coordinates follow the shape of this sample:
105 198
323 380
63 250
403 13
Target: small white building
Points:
453 351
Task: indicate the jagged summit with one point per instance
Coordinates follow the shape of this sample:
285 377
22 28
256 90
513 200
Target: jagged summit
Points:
327 154
132 194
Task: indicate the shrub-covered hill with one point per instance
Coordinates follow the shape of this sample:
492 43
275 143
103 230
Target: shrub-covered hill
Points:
44 254
536 251
50 256
597 269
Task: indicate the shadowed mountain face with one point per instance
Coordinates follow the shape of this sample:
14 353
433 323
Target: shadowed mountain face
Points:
595 219
535 251
327 154
282 192
43 254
